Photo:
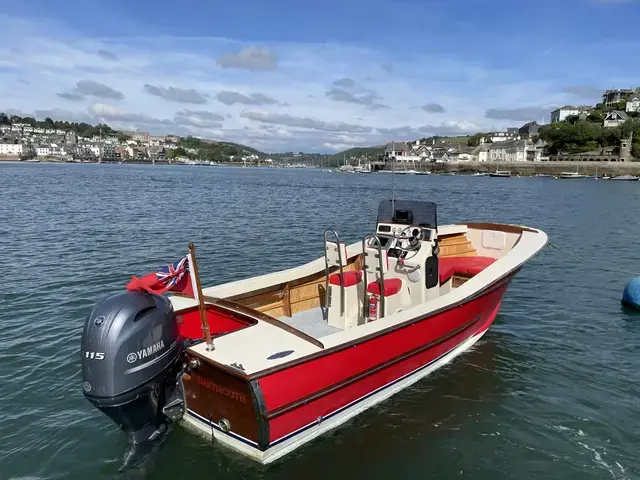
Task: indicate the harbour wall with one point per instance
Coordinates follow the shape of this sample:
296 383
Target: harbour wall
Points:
532 168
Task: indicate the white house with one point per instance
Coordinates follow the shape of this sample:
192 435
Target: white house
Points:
142 137
481 153
156 141
562 113
16 127
633 104
615 118
59 150
38 130
43 150
11 149
96 150
508 151
5 128
536 152
500 137
401 152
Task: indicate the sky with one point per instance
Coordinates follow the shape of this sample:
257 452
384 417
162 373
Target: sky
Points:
285 75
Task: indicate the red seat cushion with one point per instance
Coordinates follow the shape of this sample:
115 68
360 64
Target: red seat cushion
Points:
391 287
467 266
351 278
479 264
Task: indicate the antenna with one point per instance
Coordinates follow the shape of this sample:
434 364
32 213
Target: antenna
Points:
393 171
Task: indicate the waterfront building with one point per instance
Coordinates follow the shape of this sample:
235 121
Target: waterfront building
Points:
508 151
11 149
43 150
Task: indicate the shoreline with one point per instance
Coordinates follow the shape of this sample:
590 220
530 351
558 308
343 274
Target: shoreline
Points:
519 168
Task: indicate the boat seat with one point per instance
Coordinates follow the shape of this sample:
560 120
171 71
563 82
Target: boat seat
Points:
349 278
392 286
464 266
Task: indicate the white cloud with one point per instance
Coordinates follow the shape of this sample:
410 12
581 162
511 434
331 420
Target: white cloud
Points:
328 99
231 98
337 147
199 119
303 122
176 94
250 58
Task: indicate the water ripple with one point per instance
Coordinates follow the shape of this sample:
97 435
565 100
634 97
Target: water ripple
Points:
551 392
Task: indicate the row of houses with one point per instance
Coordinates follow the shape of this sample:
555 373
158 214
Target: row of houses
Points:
23 128
25 141
511 150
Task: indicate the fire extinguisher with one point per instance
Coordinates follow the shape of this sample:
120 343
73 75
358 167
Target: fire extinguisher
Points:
373 308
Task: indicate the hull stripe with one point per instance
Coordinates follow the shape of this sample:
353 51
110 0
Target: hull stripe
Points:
384 387
327 391
253 444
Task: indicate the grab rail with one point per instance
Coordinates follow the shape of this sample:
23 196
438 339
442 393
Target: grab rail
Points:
380 269
326 271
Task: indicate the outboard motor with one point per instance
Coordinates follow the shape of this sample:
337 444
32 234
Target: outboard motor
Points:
132 357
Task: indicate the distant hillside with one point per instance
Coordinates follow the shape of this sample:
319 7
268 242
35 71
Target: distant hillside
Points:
215 150
372 152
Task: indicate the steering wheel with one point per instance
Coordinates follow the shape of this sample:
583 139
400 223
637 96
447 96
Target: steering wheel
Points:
411 238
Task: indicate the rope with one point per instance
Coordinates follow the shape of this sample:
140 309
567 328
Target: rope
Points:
579 259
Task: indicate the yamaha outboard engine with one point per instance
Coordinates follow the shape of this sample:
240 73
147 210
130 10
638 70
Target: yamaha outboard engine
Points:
132 363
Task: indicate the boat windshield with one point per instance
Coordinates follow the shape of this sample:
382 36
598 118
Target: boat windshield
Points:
408 212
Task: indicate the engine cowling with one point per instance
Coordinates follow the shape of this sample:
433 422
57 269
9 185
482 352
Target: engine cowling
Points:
132 363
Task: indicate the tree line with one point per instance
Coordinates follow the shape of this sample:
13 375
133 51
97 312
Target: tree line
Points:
576 135
211 151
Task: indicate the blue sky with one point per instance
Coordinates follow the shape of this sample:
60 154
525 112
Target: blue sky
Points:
313 76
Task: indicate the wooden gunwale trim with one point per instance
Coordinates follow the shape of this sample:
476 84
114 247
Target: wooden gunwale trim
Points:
499 282
286 299
355 378
257 315
306 281
499 227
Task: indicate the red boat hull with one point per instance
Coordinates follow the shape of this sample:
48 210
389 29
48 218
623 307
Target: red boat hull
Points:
293 401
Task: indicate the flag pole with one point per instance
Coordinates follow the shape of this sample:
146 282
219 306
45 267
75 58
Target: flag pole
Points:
203 313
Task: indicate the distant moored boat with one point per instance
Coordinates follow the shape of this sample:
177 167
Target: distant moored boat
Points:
626 178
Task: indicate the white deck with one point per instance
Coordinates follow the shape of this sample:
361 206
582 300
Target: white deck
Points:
310 322
251 347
